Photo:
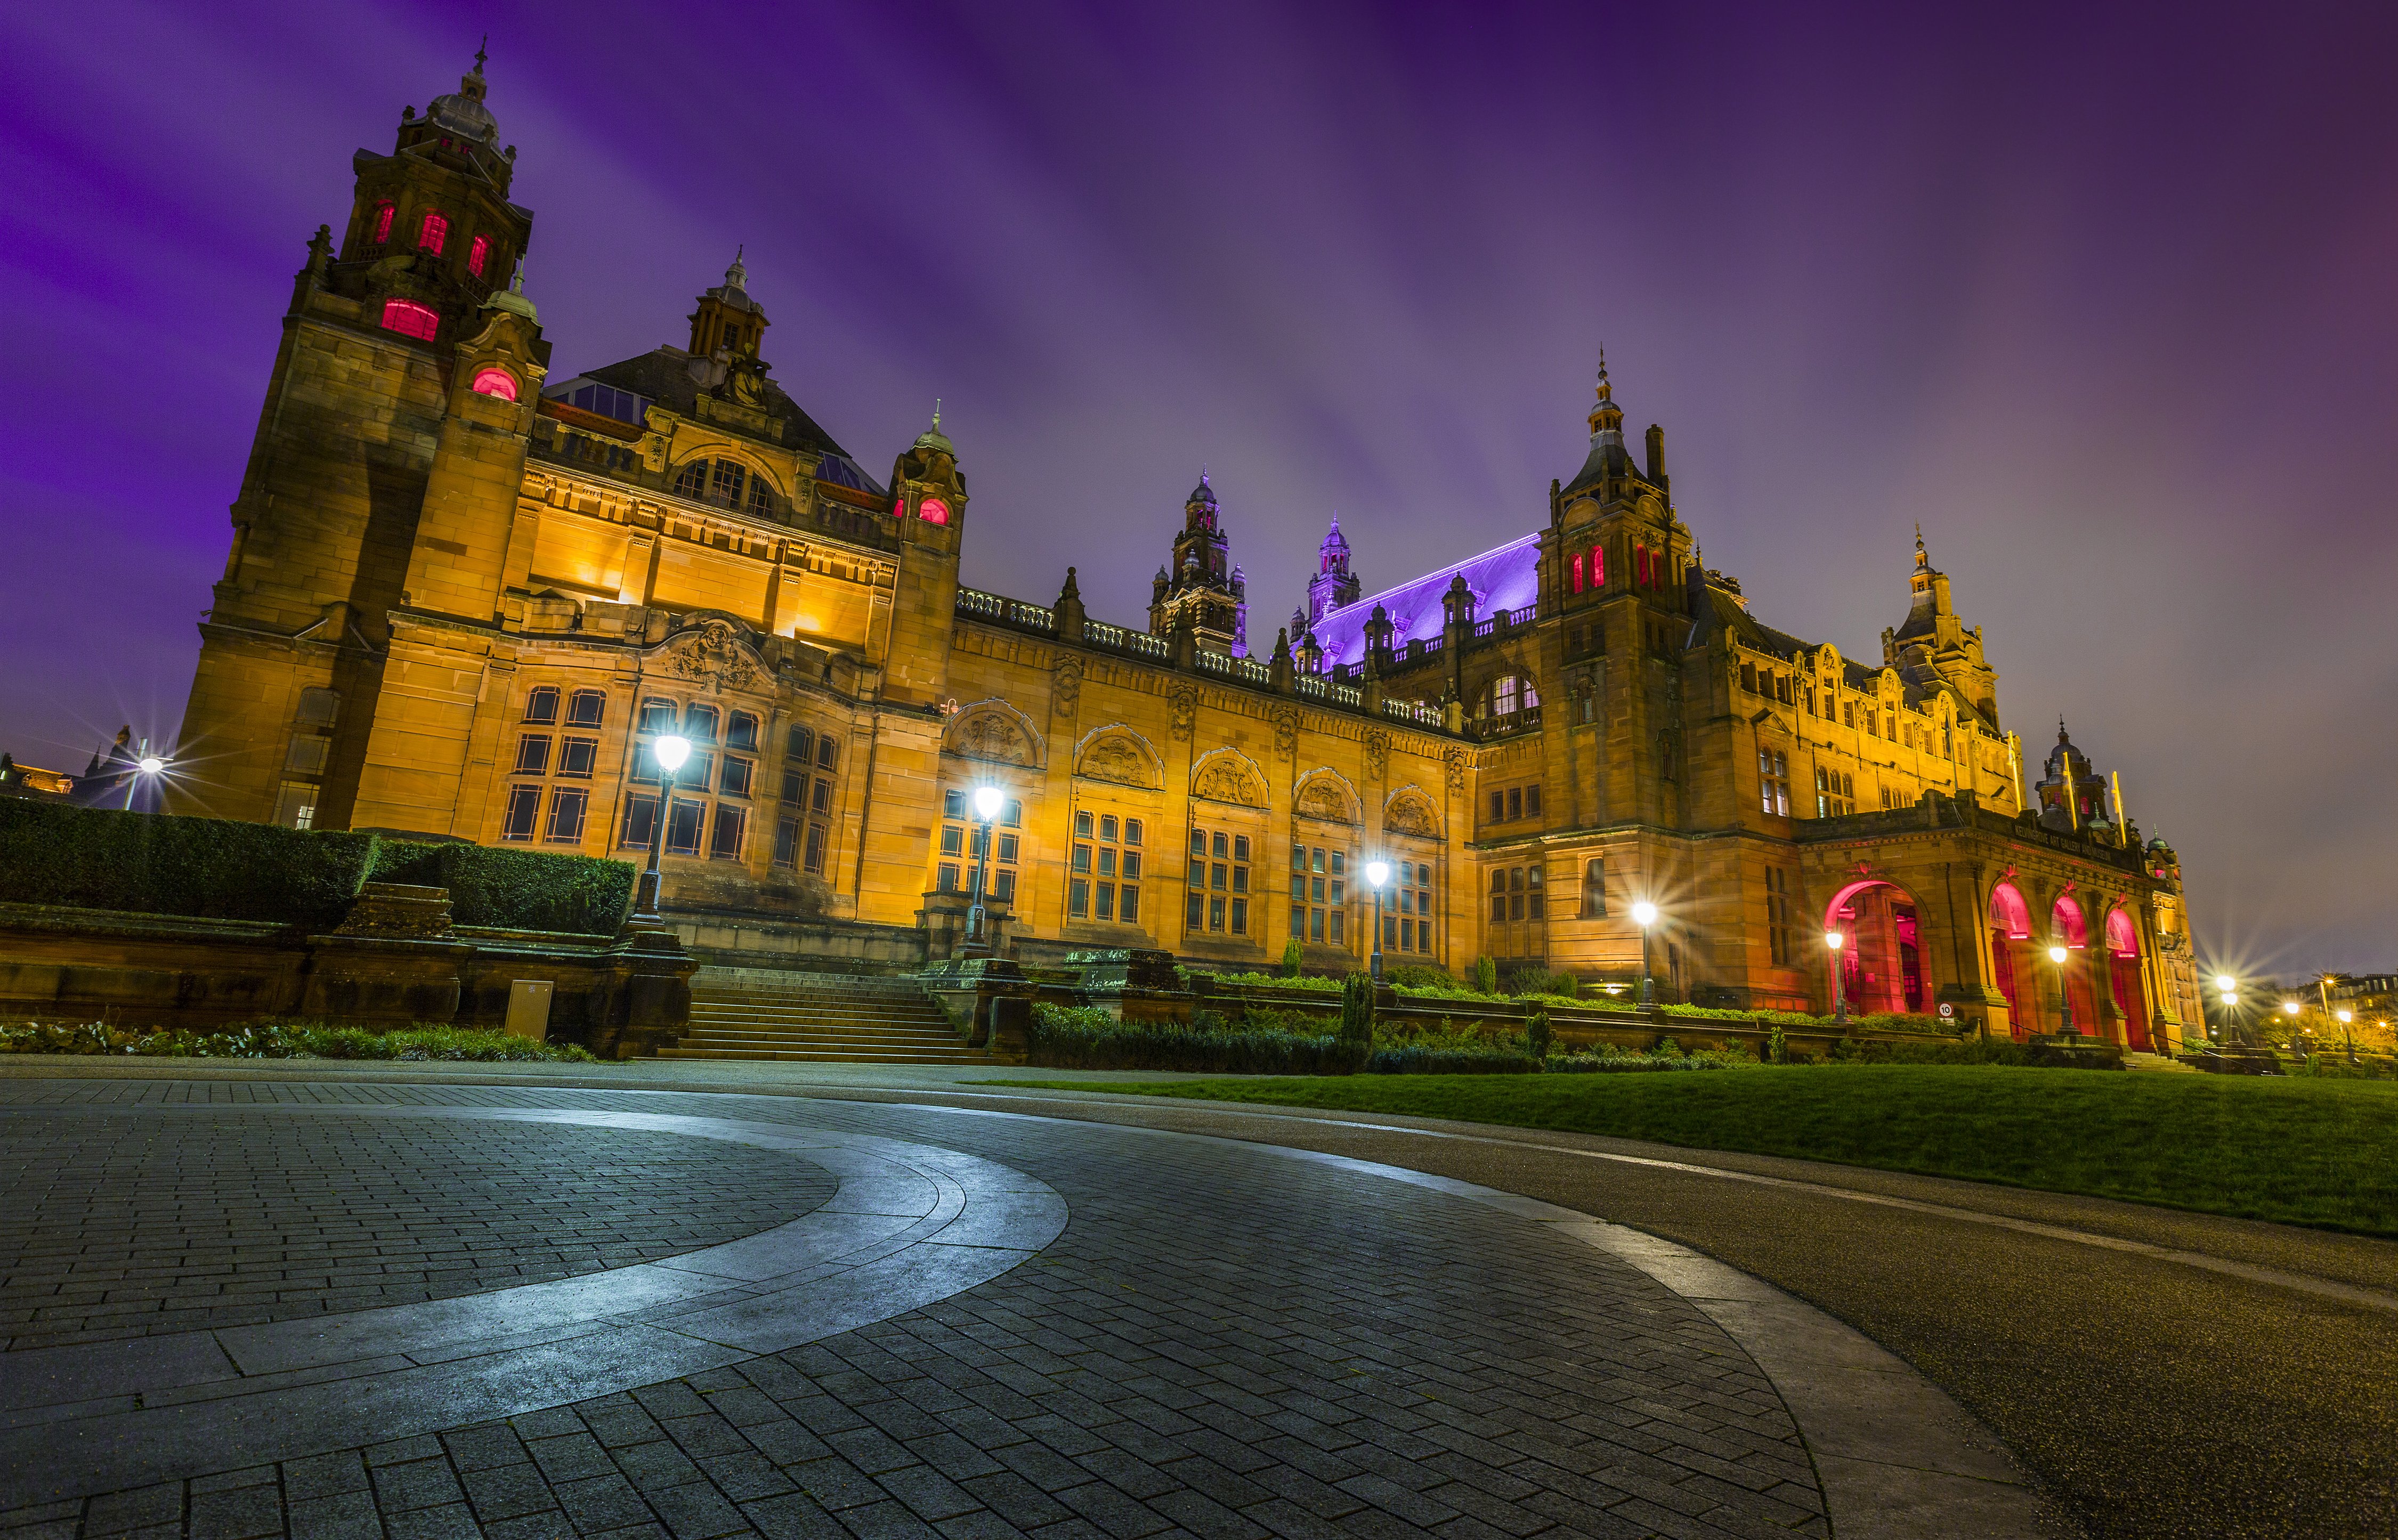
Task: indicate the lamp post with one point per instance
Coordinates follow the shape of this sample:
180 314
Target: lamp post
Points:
2056 953
1644 914
2229 988
670 751
149 765
988 800
2346 1038
1833 941
1377 873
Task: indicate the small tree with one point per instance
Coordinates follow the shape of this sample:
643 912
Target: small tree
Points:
1536 1035
1357 1014
1777 1045
1486 976
1290 958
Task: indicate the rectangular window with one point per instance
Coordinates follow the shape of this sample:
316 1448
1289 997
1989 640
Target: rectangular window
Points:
1195 917
815 862
1082 857
1497 807
1078 900
1007 847
641 822
658 715
730 824
947 878
1777 916
586 707
566 807
1003 888
1335 921
735 782
1132 832
795 786
523 809
1083 825
954 839
827 752
787 842
533 754
577 757
1105 907
1531 802
822 801
742 732
1128 903
1574 572
1107 828
1515 802
953 805
683 828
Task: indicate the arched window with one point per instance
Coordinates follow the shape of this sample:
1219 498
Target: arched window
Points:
479 254
432 233
932 510
1574 572
586 707
383 213
1504 697
1508 694
761 498
1599 566
540 705
496 382
725 483
410 320
691 481
699 724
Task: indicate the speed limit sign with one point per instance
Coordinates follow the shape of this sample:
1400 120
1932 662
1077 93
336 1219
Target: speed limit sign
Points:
1948 1008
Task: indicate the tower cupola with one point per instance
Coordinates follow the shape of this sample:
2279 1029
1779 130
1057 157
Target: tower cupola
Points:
1201 588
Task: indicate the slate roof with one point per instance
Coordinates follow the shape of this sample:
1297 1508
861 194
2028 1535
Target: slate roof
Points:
663 375
1508 577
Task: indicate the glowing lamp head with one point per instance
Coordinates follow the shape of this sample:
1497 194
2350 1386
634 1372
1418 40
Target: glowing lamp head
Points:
988 800
2230 999
2225 983
2057 955
1834 939
151 765
1644 914
1377 873
2289 1008
671 751
2346 1017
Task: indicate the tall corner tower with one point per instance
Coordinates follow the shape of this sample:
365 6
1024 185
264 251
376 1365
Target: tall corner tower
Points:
1199 588
929 499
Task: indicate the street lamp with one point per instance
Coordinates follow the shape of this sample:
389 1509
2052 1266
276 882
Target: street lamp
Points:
670 751
1834 941
1644 914
988 800
2064 988
1377 873
149 765
2228 986
2347 1020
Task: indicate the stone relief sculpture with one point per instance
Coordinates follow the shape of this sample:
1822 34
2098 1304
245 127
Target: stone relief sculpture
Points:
713 655
1456 758
992 732
1322 798
1409 814
1377 755
1066 685
1117 758
1229 779
1184 698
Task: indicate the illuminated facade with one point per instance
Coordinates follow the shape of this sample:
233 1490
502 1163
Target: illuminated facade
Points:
464 597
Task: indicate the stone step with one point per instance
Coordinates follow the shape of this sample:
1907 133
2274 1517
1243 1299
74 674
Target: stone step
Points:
826 1056
744 1013
2136 1059
721 1037
718 1010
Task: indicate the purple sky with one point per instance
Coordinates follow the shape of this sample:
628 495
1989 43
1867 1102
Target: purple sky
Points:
2107 298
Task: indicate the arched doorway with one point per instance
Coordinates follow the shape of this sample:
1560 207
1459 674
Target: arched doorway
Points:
2011 964
2123 978
1882 966
2070 929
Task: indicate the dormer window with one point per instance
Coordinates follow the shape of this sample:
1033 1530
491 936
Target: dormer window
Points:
496 382
410 320
432 233
477 255
383 213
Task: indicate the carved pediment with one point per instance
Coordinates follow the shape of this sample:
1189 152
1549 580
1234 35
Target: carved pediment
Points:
1119 755
714 654
995 730
1324 796
1228 776
1409 812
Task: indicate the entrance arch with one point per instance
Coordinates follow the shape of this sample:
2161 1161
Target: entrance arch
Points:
2070 928
1882 968
2123 978
2011 963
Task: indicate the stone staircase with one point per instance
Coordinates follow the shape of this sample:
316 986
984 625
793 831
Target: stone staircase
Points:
2136 1059
829 1017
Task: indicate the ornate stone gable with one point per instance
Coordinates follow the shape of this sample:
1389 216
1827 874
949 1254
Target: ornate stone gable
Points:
1411 812
1323 794
1227 775
994 730
715 655
1118 754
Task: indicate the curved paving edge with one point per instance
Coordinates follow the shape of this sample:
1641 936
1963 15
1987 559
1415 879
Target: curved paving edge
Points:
911 1224
1897 1458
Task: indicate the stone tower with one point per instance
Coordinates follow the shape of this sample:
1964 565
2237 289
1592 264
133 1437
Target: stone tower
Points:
1333 587
1199 588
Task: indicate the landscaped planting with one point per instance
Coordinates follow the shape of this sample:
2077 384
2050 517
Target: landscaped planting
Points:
283 1040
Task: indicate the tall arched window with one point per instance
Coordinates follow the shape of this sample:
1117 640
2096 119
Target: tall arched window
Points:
1574 572
760 503
724 484
383 213
479 254
410 320
432 233
496 382
692 480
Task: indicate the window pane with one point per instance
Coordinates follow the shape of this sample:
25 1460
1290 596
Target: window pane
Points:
1216 876
699 724
1299 921
822 801
1340 863
1195 915
1198 842
743 731
1334 923
1315 860
542 705
1132 865
1215 914
798 742
1240 879
1129 908
1081 826
1107 828
1498 906
658 716
1003 888
816 849
1007 847
1078 898
576 757
1222 846
641 821
1132 832
1013 817
948 879
787 842
1198 873
1240 848
683 828
953 805
735 782
533 754
953 840
1082 857
828 750
1337 895
1107 902
566 814
1315 925
1240 916
524 806
1107 861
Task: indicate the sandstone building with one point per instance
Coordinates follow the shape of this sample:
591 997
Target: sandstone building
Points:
465 593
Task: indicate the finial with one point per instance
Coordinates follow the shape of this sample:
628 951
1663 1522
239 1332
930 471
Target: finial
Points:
516 279
479 52
737 276
1203 473
937 412
2060 728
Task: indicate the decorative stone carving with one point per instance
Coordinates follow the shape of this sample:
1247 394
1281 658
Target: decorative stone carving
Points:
1184 698
1377 755
1456 758
1066 684
713 655
989 735
1411 815
1285 726
1227 780
1117 758
1322 798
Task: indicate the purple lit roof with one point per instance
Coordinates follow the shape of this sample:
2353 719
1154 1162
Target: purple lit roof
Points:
1506 578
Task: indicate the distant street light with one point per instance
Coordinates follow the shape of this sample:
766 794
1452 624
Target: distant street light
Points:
148 765
2056 954
1835 940
670 751
988 800
1644 914
1377 873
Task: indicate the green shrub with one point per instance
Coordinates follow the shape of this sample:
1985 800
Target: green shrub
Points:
1486 976
153 864
1418 976
1971 1050
1292 955
1357 1011
1416 1059
1609 1063
1082 1038
273 1039
514 889
1536 1035
1268 981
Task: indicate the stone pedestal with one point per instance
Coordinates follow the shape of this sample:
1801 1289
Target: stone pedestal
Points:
989 998
1133 984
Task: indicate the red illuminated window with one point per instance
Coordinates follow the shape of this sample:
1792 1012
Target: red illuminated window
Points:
1599 566
382 222
477 254
496 382
432 233
410 320
1576 579
932 510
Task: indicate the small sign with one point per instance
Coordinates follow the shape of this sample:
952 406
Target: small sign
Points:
1948 1008
529 1008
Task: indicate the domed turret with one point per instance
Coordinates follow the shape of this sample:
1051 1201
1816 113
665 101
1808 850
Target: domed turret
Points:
463 112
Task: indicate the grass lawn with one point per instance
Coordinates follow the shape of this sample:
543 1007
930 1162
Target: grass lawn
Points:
2322 1153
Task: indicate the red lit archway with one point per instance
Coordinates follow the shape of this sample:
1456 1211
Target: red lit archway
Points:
2070 929
1882 966
2123 978
2012 966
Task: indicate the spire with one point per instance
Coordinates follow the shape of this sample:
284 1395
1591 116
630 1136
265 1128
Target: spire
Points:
1922 560
513 299
737 276
1606 417
480 55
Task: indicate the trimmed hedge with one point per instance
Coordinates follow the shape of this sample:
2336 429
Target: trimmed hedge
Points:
286 1040
1077 1038
221 869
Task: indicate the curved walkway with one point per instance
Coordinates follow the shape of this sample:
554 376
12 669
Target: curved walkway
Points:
999 1323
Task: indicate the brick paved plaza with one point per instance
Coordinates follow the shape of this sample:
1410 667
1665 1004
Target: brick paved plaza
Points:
1222 1341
